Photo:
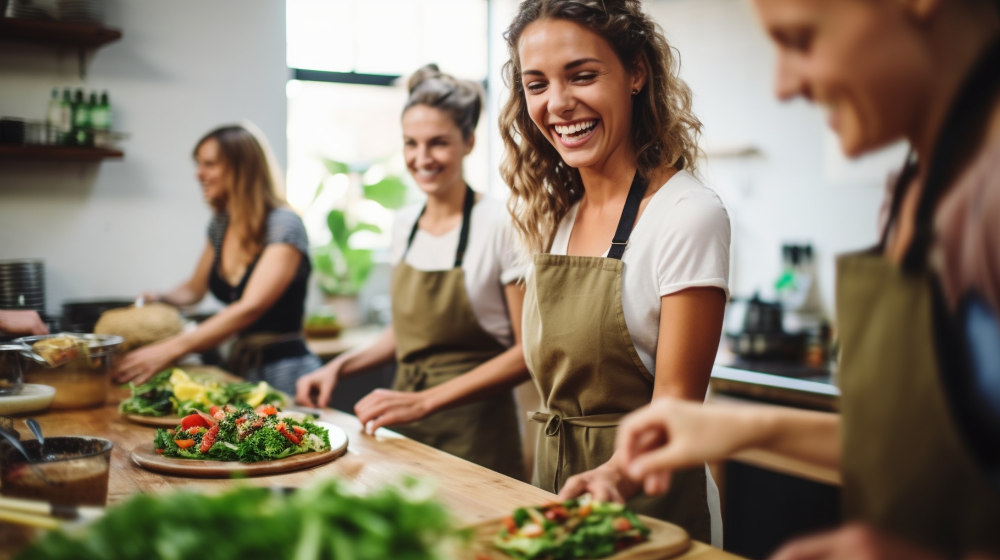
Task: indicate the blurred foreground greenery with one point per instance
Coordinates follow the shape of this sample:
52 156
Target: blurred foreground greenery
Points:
323 521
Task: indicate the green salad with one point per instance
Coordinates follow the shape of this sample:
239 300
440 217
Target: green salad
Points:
174 392
241 434
580 528
323 521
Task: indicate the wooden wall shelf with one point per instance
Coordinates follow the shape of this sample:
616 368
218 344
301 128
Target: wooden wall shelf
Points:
73 34
66 153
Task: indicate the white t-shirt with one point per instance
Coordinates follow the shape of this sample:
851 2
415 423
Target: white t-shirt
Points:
490 263
680 241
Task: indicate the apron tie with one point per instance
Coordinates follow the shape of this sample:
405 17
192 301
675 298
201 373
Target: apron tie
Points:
247 352
553 427
413 377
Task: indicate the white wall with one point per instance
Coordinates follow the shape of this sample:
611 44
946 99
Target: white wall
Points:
801 189
182 67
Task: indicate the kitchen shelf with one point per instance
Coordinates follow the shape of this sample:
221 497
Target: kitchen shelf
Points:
66 153
74 34
77 35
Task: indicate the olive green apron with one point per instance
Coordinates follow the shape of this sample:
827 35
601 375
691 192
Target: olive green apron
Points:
906 469
439 338
589 375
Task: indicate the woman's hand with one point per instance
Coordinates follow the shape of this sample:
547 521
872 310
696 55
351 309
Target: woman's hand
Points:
384 407
139 365
670 434
314 388
852 542
606 482
22 322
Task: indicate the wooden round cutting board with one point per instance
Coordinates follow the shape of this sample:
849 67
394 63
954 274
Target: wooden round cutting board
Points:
146 457
665 540
154 421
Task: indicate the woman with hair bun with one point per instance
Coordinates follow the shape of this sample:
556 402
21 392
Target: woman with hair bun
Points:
627 292
456 298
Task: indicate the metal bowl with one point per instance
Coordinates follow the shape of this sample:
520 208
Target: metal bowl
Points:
82 381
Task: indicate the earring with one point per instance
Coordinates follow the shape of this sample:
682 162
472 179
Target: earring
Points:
635 92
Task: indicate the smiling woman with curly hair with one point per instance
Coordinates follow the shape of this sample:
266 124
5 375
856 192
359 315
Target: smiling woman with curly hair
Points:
629 281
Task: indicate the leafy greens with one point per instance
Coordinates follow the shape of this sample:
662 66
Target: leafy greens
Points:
324 521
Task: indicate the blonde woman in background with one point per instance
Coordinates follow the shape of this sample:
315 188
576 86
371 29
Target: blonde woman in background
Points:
631 252
456 302
255 260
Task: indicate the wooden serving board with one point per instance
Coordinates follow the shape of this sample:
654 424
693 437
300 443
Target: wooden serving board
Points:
665 540
146 457
154 421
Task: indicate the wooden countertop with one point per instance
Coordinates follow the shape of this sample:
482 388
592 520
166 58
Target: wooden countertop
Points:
471 492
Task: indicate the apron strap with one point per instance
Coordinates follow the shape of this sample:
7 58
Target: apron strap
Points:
627 220
962 130
463 236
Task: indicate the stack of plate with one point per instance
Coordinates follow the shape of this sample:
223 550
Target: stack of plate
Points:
22 285
25 9
78 10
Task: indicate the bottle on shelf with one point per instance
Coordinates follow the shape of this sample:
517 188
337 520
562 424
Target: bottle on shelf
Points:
66 117
81 120
52 118
100 121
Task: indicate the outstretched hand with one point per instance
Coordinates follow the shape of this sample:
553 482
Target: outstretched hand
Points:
139 365
671 434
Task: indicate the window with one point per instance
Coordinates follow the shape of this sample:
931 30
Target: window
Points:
349 61
336 50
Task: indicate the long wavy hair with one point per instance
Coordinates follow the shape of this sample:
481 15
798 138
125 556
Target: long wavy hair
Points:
664 131
257 185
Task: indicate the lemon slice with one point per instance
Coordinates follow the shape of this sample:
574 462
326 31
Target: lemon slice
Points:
179 376
256 396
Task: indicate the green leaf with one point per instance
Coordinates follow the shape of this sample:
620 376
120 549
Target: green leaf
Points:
337 222
390 192
359 267
319 191
365 226
335 167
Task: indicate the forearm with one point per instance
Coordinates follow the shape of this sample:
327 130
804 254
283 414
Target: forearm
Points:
380 351
502 372
181 296
216 329
806 435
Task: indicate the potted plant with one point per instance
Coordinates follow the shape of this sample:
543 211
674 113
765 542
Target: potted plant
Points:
341 266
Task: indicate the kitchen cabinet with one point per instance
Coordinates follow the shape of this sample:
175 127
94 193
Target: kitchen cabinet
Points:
769 498
80 36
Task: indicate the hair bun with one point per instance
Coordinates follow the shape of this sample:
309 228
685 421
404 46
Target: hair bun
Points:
425 72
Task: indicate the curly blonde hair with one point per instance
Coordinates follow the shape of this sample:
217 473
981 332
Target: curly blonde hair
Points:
664 131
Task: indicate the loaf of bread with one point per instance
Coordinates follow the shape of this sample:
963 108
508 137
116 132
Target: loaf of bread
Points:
140 326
